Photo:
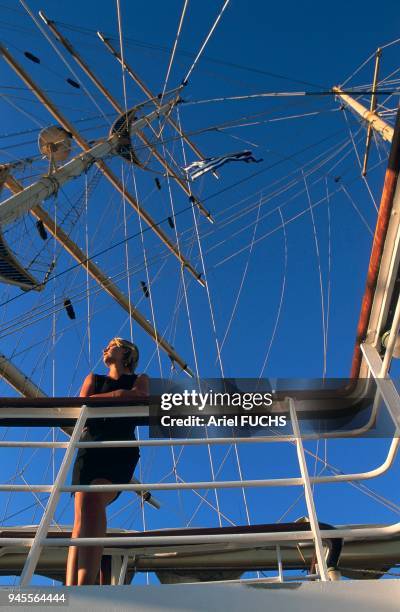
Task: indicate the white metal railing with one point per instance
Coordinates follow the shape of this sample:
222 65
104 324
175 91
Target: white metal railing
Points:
387 392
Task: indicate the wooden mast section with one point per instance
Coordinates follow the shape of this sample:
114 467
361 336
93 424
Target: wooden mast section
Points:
18 380
387 226
101 87
378 124
100 163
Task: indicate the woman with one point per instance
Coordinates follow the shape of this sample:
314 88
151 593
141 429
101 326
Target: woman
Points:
103 466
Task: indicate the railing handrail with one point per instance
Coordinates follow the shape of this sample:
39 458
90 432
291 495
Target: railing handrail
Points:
67 409
45 412
352 533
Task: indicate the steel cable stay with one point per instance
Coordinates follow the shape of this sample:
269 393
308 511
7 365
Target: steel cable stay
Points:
356 208
204 44
215 476
172 335
171 60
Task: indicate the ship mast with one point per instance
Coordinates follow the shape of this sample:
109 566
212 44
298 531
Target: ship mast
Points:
384 259
374 121
25 199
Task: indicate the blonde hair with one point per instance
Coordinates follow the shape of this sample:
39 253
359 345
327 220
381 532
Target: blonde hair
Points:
131 352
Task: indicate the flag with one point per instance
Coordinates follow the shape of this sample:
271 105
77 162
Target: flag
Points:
198 168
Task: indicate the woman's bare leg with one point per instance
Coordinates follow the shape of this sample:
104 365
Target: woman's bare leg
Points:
72 560
90 521
93 524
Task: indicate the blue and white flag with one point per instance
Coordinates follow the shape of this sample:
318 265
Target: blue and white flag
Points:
198 168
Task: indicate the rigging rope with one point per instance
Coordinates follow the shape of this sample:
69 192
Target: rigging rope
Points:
328 298
357 210
174 48
22 111
316 242
281 299
88 326
128 276
286 94
244 275
196 59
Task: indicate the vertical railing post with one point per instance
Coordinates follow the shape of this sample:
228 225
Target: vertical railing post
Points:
280 565
312 514
41 534
385 385
124 567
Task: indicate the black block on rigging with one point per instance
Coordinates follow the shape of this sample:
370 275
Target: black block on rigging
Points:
145 289
73 83
70 309
32 57
41 230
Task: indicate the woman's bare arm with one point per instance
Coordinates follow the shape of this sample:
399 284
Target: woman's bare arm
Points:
88 386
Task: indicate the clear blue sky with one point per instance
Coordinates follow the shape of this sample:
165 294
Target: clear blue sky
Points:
270 47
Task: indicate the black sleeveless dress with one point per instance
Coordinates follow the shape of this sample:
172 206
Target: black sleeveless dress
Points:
115 464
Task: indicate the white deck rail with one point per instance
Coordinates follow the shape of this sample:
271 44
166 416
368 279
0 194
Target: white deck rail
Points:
387 392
